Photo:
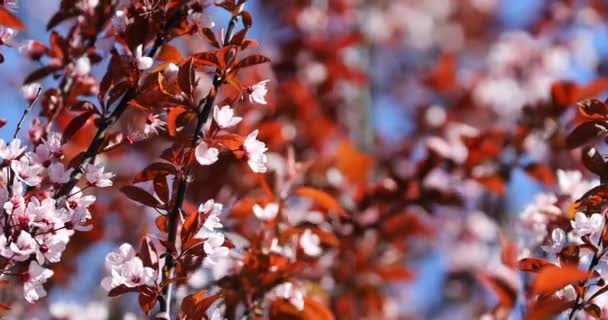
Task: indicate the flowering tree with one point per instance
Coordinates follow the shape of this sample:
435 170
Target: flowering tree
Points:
314 165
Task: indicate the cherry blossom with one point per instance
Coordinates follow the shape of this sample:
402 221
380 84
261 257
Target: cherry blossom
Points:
269 212
131 273
82 66
224 117
289 292
27 171
559 239
310 243
34 278
171 72
12 150
96 176
213 248
143 62
30 91
256 158
583 225
50 149
206 155
257 92
58 174
120 256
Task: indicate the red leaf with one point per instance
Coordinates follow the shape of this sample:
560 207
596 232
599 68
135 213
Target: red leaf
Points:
140 195
185 78
533 264
552 278
172 119
7 19
169 53
208 33
154 170
322 198
251 60
541 173
504 292
585 132
76 123
548 308
247 19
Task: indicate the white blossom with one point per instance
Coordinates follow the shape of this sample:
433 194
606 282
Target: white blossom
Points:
82 66
36 276
583 225
310 243
143 62
288 291
257 92
206 155
30 90
266 213
213 248
12 150
27 171
255 149
224 117
58 174
559 239
96 176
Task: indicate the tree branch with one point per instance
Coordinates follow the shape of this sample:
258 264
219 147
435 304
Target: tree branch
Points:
173 217
105 125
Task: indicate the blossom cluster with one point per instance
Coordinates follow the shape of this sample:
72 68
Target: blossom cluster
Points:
37 226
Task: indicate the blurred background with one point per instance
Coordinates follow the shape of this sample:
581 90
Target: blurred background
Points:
395 72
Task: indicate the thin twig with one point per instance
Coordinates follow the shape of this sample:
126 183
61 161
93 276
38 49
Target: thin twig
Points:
26 111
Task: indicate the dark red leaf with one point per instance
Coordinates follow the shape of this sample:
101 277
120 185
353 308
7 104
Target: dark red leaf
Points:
585 132
251 60
140 195
76 123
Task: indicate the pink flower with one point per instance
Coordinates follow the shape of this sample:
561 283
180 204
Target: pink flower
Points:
19 250
11 151
52 245
142 61
30 91
49 149
257 92
267 213
96 176
35 277
206 155
58 174
120 256
256 158
26 171
131 274
224 117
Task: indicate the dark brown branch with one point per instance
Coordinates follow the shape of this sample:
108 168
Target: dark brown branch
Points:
106 124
